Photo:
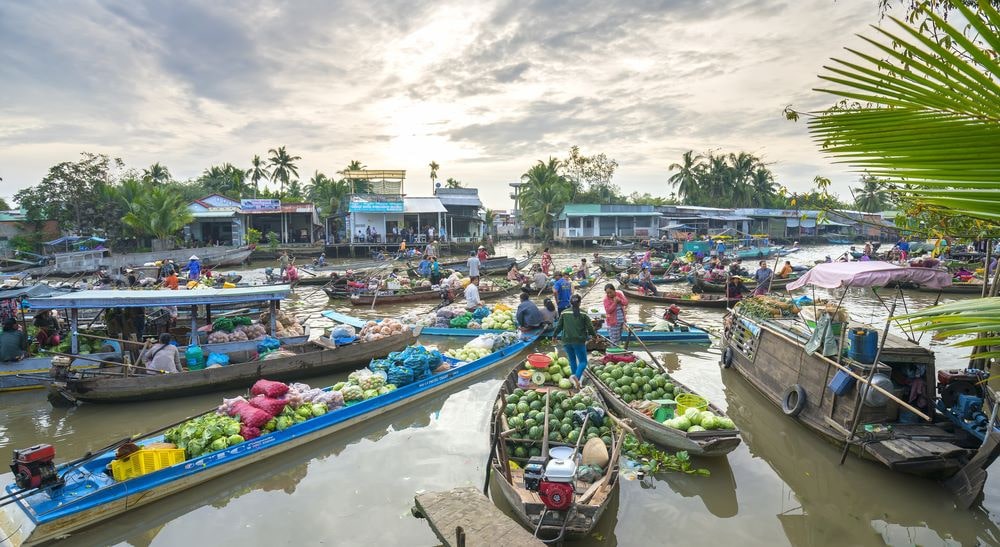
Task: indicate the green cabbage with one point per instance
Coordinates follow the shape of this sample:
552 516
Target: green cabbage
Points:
235 439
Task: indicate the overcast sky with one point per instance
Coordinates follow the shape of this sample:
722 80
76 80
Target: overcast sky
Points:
484 88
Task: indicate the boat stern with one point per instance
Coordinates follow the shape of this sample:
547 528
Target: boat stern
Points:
16 527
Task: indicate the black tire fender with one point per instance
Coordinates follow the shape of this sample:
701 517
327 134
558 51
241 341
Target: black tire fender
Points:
727 357
793 400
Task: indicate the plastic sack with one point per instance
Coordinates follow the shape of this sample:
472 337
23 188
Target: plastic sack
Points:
616 358
481 313
399 376
343 331
217 359
380 364
248 432
250 415
662 326
272 406
269 388
269 343
483 341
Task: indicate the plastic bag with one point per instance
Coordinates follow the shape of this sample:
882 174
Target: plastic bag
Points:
483 341
343 331
399 375
248 432
217 359
269 388
272 406
250 415
480 313
268 344
380 364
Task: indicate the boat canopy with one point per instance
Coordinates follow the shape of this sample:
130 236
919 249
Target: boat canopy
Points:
74 240
138 299
32 291
832 275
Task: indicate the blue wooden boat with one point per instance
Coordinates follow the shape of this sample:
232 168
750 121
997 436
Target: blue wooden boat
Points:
692 335
91 495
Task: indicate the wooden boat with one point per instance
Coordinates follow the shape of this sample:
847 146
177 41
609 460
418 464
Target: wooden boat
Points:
837 240
425 294
956 287
691 335
683 299
82 262
777 284
662 279
701 443
614 245
309 360
812 389
91 496
528 508
497 264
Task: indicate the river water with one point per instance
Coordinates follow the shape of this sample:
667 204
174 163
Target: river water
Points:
782 486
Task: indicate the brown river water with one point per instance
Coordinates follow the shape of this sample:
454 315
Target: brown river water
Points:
782 486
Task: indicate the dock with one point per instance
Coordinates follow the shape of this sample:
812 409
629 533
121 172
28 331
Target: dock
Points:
465 517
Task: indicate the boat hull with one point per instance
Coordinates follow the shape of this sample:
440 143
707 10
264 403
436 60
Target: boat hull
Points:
22 524
28 373
704 302
492 265
211 256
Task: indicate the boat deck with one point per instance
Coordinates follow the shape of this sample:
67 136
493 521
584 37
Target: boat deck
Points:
467 513
527 496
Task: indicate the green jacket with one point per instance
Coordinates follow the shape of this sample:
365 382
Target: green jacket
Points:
12 344
575 330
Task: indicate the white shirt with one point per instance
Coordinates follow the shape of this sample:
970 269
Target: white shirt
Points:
472 296
473 264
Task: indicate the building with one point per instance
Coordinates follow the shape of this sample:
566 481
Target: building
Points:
586 222
15 224
222 220
505 223
466 218
516 224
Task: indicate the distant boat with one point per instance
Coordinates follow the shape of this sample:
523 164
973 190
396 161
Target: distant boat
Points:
838 239
83 262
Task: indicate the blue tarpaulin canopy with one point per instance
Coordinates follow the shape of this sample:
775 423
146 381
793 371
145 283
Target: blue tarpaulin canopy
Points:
138 299
75 239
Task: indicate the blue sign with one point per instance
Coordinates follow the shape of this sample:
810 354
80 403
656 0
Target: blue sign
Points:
376 207
260 204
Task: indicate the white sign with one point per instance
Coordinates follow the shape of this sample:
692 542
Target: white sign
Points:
260 204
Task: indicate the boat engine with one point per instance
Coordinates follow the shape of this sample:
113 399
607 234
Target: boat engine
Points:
34 467
533 473
954 383
556 489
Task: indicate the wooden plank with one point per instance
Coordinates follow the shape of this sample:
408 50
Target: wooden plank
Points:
480 520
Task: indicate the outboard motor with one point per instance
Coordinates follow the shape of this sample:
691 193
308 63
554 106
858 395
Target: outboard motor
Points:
556 489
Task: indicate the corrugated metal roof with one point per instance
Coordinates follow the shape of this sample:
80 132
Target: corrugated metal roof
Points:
136 299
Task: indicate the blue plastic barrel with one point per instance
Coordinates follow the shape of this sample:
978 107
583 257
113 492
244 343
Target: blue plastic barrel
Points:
864 345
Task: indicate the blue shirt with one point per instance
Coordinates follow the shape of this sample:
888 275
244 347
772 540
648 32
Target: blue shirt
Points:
424 268
564 290
528 314
194 268
721 248
903 246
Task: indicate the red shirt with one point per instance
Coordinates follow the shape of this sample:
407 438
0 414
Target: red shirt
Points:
482 255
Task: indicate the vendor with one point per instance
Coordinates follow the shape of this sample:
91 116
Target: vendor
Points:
13 342
786 270
735 289
539 280
162 357
583 270
194 268
562 289
548 311
48 329
424 268
472 301
171 282
528 316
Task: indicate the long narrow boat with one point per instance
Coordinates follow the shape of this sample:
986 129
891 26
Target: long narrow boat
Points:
718 442
682 299
308 360
424 295
580 520
82 262
640 331
91 495
662 279
497 264
720 288
955 288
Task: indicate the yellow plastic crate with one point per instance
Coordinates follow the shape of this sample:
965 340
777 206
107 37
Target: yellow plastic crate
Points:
145 461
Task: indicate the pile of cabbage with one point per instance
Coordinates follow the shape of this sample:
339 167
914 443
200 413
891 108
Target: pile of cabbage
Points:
468 354
364 384
694 420
205 434
483 345
501 318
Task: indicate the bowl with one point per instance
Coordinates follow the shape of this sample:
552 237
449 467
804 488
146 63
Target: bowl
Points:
561 452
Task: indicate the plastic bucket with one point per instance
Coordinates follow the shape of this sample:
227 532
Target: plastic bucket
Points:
524 379
539 360
864 345
689 400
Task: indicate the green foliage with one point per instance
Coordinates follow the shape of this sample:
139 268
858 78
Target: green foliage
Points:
359 186
434 171
283 166
252 236
159 212
294 191
590 177
873 195
734 180
659 460
272 241
258 171
4 206
453 183
226 179
156 174
29 242
544 194
646 198
326 193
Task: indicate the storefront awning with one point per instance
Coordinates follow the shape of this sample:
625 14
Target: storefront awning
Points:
417 205
213 214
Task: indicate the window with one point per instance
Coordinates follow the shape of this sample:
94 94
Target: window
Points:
588 222
642 222
574 222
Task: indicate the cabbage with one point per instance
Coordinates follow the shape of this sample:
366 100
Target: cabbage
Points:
709 420
682 423
691 413
235 439
232 428
284 422
298 419
304 411
695 428
195 447
725 423
318 409
271 425
219 444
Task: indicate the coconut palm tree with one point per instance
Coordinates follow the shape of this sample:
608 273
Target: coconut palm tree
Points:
283 166
159 212
762 187
156 173
258 172
928 116
686 179
544 194
872 196
358 186
434 173
452 183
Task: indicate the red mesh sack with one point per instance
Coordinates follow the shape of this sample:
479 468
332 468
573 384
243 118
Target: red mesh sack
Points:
615 358
250 416
248 432
269 388
272 406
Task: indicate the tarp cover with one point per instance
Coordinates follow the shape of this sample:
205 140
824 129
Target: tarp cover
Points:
832 275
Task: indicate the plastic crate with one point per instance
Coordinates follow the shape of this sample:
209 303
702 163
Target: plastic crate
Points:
841 383
145 461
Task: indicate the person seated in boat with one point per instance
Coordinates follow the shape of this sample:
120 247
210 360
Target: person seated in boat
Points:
291 273
549 313
13 342
868 248
583 270
646 282
161 357
424 268
320 260
736 268
194 268
528 316
515 275
472 300
763 277
48 329
963 275
735 288
539 281
786 270
171 282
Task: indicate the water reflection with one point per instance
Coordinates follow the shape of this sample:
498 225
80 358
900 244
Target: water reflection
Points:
859 503
717 492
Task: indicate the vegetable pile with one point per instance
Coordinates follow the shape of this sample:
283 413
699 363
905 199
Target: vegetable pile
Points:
765 307
500 318
558 372
205 434
636 381
467 353
401 368
240 333
461 321
525 414
373 331
286 325
695 420
364 384
483 345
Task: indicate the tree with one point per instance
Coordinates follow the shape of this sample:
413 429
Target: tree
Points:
159 212
4 206
646 198
156 174
326 193
294 190
544 195
872 196
453 183
282 166
434 173
591 177
258 172
724 180
358 186
686 179
226 179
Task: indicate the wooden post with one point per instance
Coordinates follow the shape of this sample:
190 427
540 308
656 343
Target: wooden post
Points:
193 338
74 323
272 309
208 314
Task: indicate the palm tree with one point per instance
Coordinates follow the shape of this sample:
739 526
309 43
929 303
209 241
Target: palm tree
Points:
283 166
156 173
434 174
159 212
544 194
762 186
452 183
872 196
326 193
258 171
930 118
358 186
685 180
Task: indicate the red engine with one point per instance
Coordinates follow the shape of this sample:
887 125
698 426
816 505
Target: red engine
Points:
557 496
34 467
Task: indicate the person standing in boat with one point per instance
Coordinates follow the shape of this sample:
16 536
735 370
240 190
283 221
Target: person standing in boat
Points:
482 254
575 328
786 270
615 309
435 271
424 268
546 261
473 264
904 249
161 357
194 268
562 289
282 263
720 250
763 278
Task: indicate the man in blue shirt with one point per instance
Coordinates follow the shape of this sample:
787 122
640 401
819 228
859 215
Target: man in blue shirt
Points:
528 317
424 268
720 250
562 290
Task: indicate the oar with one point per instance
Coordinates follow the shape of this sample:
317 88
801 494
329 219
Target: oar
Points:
644 347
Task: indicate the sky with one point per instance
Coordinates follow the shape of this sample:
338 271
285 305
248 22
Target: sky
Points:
485 89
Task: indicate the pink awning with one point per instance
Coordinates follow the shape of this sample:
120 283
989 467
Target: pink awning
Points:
832 275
